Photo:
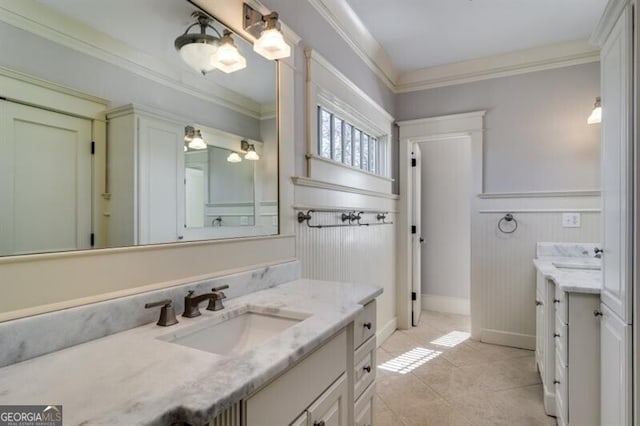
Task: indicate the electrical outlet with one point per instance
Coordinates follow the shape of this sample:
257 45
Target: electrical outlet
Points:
571 220
244 220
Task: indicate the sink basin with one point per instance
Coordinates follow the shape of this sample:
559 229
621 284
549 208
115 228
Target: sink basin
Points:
573 266
241 330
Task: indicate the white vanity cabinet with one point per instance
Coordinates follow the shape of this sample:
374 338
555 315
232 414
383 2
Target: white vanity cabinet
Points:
545 344
364 365
577 358
145 177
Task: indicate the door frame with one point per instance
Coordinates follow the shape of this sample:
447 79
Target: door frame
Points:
424 130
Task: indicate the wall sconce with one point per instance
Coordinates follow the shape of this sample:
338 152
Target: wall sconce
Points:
596 114
205 52
266 28
234 157
193 138
250 150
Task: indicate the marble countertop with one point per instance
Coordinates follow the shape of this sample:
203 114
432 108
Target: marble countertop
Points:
134 378
572 278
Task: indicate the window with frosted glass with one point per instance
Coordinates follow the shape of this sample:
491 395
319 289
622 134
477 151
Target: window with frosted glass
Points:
341 141
348 134
337 139
325 133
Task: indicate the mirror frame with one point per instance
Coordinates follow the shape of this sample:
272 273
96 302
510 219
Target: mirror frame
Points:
76 278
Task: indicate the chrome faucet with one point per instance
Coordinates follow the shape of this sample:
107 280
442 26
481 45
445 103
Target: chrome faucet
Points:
191 302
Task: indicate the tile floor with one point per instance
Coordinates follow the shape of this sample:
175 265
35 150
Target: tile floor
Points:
431 375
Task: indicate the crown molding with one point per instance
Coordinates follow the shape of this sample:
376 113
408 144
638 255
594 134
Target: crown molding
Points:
51 25
508 64
347 24
609 17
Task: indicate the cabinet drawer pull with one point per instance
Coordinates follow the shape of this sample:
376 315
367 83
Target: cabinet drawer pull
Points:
597 313
556 382
320 423
556 334
556 300
538 303
367 368
367 325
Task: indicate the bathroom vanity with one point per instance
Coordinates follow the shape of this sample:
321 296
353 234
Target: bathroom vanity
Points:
297 352
568 331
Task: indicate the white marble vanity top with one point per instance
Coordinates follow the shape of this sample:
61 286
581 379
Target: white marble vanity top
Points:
572 266
133 378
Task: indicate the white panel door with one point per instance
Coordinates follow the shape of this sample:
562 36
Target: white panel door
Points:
617 171
416 234
45 180
160 181
615 378
194 197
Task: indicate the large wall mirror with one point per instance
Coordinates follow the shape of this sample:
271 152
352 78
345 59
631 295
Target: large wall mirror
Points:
181 155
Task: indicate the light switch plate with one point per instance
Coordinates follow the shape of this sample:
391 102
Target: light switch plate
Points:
571 220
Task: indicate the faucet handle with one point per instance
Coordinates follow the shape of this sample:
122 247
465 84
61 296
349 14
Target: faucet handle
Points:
215 303
222 287
167 313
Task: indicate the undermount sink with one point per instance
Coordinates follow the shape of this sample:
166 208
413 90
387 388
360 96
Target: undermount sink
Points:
241 331
574 266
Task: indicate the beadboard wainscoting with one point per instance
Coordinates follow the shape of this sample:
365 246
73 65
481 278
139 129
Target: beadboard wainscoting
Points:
503 277
359 254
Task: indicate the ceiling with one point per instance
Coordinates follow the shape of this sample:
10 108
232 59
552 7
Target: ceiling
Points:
418 34
154 33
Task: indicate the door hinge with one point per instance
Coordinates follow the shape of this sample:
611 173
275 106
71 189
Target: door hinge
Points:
414 162
93 147
414 229
93 239
414 295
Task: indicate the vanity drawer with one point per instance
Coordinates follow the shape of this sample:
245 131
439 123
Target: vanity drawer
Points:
561 337
363 408
562 389
364 325
560 302
364 365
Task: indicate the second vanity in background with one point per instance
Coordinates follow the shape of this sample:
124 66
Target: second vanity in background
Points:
568 331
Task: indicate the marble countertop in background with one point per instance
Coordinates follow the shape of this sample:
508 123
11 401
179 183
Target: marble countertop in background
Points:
134 378
574 279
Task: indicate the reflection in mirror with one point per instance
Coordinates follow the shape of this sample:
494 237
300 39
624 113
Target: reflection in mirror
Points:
100 120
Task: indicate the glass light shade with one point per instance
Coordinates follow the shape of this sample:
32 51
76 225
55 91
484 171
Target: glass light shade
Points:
197 142
252 154
234 157
198 56
228 58
271 45
596 116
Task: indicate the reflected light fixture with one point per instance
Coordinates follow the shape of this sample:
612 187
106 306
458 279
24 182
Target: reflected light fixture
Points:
193 138
197 49
266 28
228 58
250 150
596 114
234 157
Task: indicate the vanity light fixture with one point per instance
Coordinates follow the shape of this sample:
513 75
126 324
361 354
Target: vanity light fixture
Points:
193 138
596 114
250 150
266 28
228 58
197 49
234 157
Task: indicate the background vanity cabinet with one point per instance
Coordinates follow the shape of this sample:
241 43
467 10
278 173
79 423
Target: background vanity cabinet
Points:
577 358
545 344
145 176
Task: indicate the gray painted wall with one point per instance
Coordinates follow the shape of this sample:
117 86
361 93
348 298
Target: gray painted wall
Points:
537 137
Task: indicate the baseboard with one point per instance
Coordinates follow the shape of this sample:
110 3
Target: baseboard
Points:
450 305
386 331
504 338
549 402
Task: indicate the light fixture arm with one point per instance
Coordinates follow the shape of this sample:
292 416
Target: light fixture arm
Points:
255 22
